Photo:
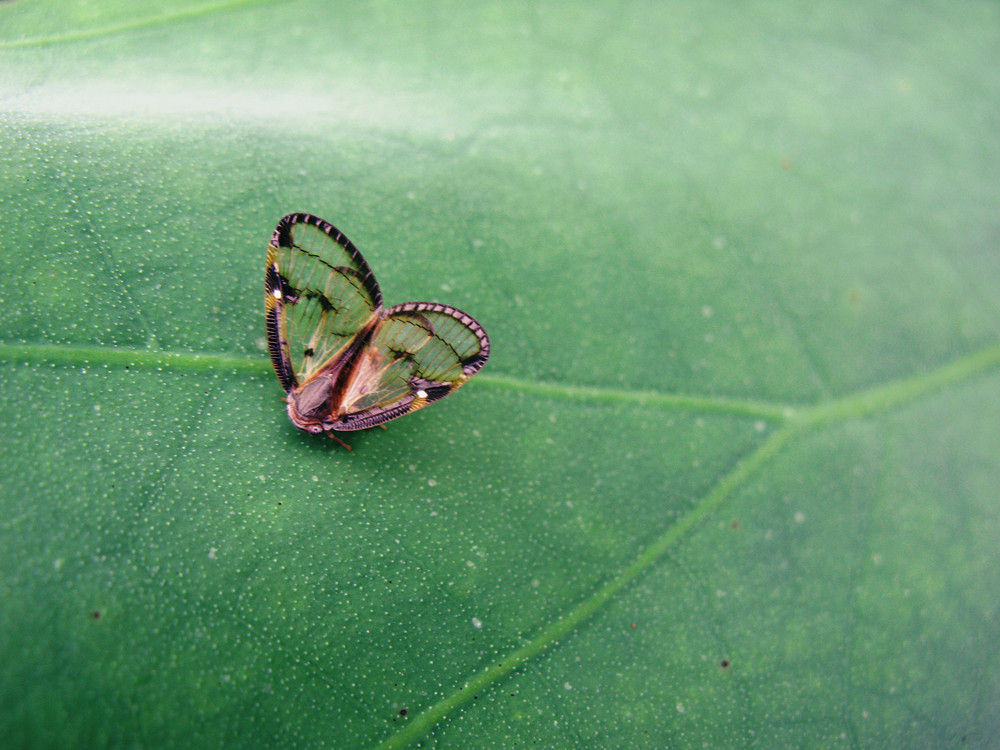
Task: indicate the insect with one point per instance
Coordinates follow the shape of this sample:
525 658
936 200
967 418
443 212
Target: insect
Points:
346 362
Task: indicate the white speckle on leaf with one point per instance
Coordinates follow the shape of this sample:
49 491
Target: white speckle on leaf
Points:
800 517
680 708
477 623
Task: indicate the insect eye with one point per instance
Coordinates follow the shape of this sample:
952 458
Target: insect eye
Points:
315 429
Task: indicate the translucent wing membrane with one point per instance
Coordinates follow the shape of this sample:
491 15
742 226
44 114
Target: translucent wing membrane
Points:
442 343
320 294
418 353
345 363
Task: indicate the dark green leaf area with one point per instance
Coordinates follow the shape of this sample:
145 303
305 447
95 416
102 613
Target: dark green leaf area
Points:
252 553
834 593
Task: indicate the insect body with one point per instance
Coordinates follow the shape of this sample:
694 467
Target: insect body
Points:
346 362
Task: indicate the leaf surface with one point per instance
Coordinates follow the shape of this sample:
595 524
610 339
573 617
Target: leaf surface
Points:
728 480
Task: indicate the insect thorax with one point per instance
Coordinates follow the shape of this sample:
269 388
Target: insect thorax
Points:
309 406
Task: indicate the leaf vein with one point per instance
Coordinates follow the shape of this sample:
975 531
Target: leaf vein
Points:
76 36
83 355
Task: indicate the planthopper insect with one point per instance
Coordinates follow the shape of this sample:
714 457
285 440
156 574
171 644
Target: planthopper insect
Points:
346 362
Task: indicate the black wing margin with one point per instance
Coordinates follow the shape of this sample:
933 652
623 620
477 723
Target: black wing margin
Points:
319 293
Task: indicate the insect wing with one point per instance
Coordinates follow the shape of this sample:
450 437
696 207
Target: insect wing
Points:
320 293
420 352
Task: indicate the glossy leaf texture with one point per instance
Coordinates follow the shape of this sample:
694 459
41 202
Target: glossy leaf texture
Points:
728 480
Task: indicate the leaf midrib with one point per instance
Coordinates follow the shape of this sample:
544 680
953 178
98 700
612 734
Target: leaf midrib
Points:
96 356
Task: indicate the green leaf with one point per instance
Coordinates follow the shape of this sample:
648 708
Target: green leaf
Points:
729 478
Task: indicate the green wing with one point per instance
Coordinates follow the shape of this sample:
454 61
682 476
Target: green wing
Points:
418 353
320 293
